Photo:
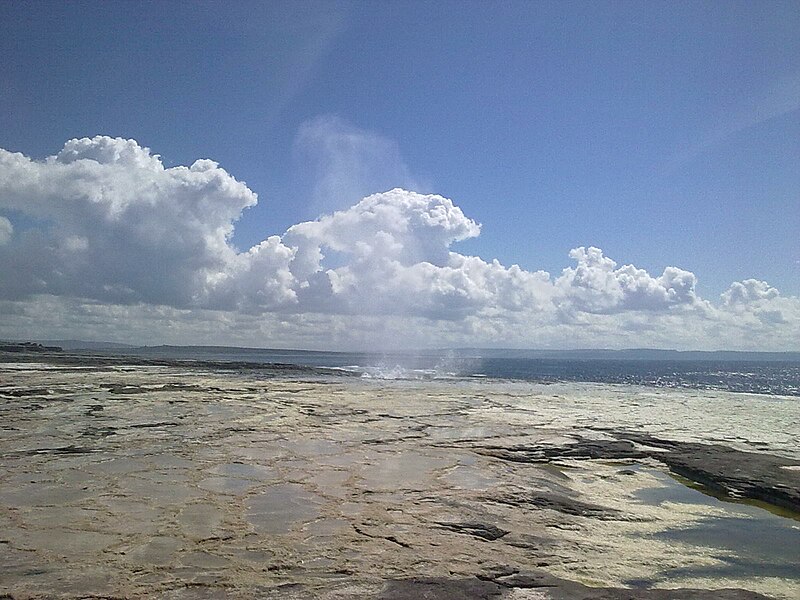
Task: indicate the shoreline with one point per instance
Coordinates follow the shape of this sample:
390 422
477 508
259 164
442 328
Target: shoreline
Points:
184 481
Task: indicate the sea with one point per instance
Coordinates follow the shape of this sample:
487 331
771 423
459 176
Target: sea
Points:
774 373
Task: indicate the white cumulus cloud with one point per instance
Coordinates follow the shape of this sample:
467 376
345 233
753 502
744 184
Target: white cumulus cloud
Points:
115 225
112 236
749 291
752 301
596 285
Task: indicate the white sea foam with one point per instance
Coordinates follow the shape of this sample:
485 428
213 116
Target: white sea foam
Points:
401 372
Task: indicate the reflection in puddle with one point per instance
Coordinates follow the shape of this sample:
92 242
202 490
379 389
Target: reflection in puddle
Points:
200 521
244 471
736 567
326 527
404 470
470 478
227 485
312 448
158 550
279 507
747 540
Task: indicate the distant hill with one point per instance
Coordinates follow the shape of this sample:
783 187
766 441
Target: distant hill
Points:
577 354
633 354
232 350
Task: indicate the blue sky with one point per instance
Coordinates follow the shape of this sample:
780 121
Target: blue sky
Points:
667 134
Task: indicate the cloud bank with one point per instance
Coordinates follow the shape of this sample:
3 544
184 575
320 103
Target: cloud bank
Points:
103 233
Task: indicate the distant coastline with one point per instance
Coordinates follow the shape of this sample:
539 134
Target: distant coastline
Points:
650 354
27 347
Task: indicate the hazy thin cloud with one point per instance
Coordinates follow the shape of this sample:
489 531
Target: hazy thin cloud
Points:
6 230
344 163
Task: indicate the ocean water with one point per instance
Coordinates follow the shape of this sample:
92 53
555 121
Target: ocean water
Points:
777 377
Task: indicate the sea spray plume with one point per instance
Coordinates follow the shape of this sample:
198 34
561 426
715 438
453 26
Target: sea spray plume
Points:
393 363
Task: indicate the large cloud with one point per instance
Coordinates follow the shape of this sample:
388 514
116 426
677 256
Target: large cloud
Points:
752 300
112 224
106 227
596 285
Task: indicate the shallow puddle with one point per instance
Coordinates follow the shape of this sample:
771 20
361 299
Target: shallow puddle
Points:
749 541
401 470
227 485
245 471
280 507
470 478
200 521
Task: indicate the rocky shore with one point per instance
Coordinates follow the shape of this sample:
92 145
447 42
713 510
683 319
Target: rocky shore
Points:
179 480
727 471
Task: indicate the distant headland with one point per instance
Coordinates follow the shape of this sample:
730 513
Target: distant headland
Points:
27 347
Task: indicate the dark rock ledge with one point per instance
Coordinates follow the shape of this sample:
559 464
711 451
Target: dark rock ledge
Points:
496 586
501 584
733 473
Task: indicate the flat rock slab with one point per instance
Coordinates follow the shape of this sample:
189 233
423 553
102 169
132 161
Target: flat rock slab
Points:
157 479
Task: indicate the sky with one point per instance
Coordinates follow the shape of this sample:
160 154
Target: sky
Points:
390 175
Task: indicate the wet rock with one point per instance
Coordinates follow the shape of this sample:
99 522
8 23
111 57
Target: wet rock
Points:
735 473
479 530
592 449
559 503
484 587
440 589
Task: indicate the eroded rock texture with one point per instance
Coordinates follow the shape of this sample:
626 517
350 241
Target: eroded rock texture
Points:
184 481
